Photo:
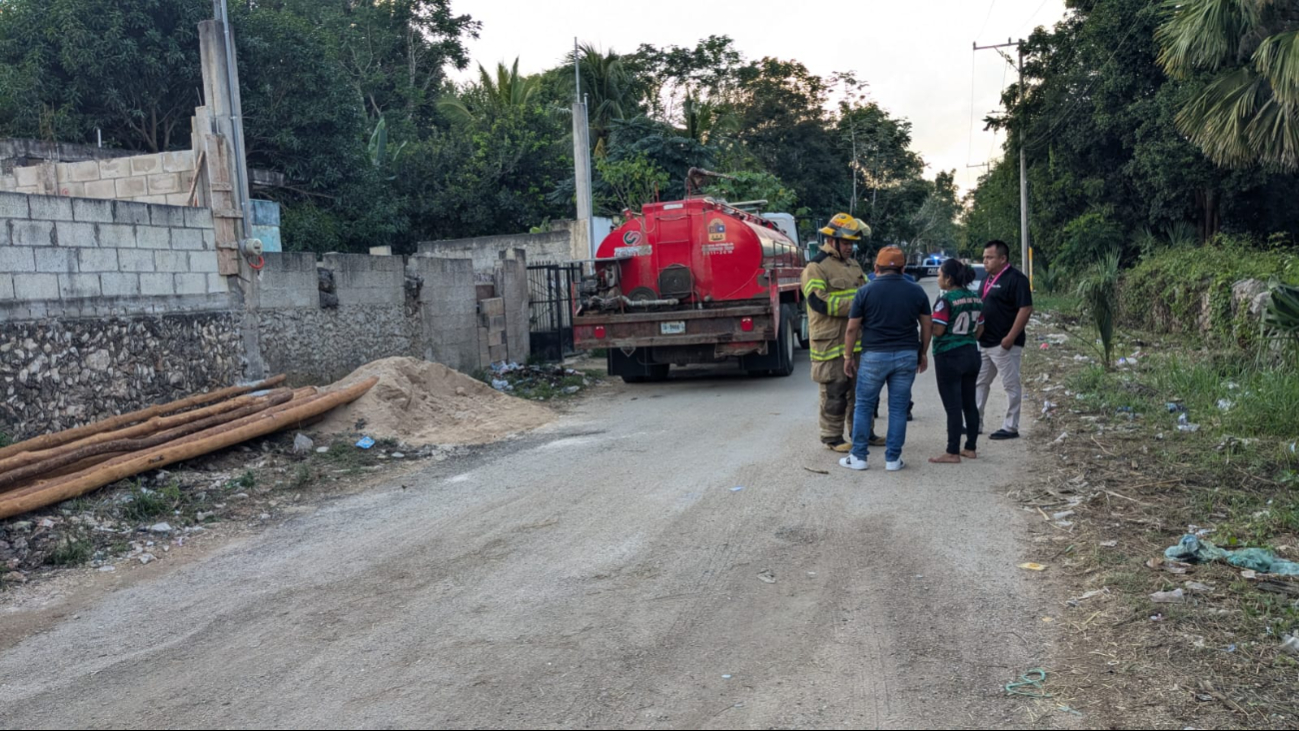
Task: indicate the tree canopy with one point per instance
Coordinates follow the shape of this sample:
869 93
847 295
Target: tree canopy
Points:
352 102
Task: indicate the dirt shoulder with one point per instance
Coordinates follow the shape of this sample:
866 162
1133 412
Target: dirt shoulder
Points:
1118 483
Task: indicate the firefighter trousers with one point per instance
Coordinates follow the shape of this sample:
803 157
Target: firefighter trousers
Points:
838 399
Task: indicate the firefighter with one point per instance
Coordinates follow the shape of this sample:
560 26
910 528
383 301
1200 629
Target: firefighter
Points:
830 281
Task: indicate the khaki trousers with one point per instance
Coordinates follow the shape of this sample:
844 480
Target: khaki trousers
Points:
1006 362
838 399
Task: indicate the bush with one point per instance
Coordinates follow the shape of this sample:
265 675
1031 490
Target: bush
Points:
1189 289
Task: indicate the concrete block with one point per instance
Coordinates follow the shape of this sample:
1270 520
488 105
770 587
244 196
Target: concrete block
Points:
17 259
187 179
171 216
129 212
146 164
120 285
164 183
177 199
6 287
152 237
191 284
216 284
97 211
135 260
113 168
77 286
76 234
159 199
83 172
57 260
156 284
97 260
8 182
187 238
14 205
36 287
73 190
203 261
51 208
495 338
131 187
28 177
209 242
116 236
102 189
175 162
171 261
28 190
198 217
34 233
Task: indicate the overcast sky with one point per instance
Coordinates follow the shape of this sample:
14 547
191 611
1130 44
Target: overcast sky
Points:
915 55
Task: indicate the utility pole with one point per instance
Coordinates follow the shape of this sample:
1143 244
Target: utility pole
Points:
236 117
582 155
1023 160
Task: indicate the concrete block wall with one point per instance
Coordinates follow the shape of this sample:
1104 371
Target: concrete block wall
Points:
78 257
361 279
485 251
449 311
162 178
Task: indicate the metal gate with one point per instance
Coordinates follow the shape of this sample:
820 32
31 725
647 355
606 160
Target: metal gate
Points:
550 314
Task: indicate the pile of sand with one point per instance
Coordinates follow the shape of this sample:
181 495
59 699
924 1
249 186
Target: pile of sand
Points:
421 403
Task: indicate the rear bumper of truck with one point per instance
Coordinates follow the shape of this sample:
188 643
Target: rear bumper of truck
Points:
738 330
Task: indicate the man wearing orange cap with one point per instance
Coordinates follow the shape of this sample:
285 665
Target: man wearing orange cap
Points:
892 318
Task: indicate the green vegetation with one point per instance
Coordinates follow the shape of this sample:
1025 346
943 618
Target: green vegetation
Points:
1099 293
1117 116
72 550
351 102
145 504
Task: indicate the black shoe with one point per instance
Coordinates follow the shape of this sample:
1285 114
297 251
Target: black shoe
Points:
877 441
1001 434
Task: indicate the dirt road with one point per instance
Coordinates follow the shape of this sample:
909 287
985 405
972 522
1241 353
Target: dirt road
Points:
600 574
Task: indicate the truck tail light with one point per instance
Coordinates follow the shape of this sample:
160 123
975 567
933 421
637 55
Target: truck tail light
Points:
746 324
599 332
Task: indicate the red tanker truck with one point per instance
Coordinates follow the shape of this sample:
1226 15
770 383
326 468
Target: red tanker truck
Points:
692 281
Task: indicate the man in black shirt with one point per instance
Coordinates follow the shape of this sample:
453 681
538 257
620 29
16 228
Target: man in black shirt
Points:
892 318
1007 305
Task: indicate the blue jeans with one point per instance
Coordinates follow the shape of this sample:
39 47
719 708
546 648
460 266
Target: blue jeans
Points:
898 369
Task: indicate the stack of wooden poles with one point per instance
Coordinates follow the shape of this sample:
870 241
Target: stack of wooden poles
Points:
63 465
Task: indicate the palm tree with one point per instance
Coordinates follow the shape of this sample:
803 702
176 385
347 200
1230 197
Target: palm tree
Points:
609 89
506 90
1249 111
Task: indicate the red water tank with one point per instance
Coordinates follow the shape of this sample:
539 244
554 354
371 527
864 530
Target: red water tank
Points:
697 251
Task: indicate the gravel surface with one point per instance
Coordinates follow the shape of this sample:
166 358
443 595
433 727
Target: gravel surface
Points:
600 573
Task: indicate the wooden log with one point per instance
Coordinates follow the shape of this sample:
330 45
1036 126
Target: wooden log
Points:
68 457
211 440
117 422
300 396
153 425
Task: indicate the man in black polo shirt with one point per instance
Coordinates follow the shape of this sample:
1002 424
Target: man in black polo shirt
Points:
892 317
1007 305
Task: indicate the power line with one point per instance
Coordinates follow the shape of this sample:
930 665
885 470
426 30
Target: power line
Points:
992 5
1034 15
1080 97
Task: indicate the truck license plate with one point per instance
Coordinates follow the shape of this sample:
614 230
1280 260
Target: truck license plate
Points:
672 328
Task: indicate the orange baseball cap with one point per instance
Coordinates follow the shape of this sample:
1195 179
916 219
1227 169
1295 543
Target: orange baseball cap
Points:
891 257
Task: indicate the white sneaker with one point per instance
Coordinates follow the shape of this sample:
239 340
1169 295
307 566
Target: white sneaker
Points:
852 463
895 466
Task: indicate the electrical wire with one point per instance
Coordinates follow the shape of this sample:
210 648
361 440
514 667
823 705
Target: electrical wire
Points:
991 5
1078 98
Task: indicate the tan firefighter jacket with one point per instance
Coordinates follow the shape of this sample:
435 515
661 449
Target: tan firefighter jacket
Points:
829 284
